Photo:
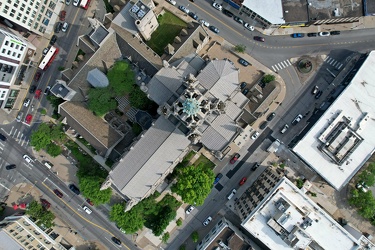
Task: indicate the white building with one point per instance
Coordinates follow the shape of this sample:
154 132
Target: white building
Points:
14 52
342 140
288 219
34 15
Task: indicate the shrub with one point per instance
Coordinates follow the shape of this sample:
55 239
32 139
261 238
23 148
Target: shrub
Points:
179 222
299 183
195 236
268 78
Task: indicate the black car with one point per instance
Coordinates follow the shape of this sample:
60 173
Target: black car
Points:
228 13
74 189
53 40
32 89
312 34
192 15
319 94
271 116
245 91
243 85
255 166
243 62
9 167
2 137
336 32
263 125
58 27
214 29
47 90
238 20
115 240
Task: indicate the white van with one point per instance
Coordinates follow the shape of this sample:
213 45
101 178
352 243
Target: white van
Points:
230 196
48 164
76 2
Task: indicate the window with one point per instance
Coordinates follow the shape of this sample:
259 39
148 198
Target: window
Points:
19 55
22 48
8 52
39 17
14 54
48 13
15 5
11 45
3 51
6 42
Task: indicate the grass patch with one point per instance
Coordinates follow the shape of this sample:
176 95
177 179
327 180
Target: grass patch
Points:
169 27
205 161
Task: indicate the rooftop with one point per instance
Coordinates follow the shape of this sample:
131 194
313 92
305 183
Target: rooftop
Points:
342 140
287 219
271 10
139 10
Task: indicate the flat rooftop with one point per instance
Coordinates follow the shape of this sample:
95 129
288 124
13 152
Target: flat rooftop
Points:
288 219
271 10
342 140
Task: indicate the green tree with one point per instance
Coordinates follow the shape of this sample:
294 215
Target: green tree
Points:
365 203
299 183
101 101
182 247
195 236
179 222
43 111
55 101
41 137
53 150
138 98
367 176
43 216
121 78
57 133
240 48
165 238
194 183
268 78
90 188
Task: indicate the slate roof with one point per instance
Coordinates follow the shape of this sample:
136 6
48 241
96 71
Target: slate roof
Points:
97 79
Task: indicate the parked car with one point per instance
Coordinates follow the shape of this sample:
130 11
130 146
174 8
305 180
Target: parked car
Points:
297 119
243 62
90 202
193 15
248 26
319 94
74 189
231 194
183 9
238 20
217 178
245 91
62 15
32 89
335 33
259 38
67 2
45 203
205 23
214 29
58 27
271 116
207 221
87 209
263 125
255 135
45 51
313 34
315 90
235 158
116 241
298 35
243 85
255 166
324 33
53 40
19 116
217 6
76 2
242 181
65 27
173 2
26 102
284 129
28 118
2 137
27 158
189 209
47 90
362 186
38 92
228 13
11 166
58 193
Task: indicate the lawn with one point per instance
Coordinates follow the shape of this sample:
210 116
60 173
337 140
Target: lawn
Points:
169 27
204 160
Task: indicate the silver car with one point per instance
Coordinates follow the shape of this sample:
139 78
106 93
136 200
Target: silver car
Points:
207 221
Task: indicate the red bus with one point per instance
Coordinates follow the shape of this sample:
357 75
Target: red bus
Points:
85 4
48 58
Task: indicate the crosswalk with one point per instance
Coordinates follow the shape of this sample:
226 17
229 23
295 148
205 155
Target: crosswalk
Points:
281 65
18 136
333 62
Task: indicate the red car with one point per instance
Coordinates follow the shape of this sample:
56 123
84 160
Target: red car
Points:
62 15
28 118
243 180
89 202
58 193
259 38
37 76
45 203
38 92
235 158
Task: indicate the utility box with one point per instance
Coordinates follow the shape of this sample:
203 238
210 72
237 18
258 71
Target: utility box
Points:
274 146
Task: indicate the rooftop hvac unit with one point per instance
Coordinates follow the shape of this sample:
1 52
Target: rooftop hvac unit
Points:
135 8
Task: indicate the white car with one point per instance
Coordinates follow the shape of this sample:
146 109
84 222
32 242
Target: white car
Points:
190 208
324 34
217 6
27 158
173 2
207 24
297 119
255 135
232 193
26 103
76 2
65 27
248 26
207 221
87 210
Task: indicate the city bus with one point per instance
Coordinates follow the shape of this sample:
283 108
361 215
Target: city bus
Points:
48 58
85 4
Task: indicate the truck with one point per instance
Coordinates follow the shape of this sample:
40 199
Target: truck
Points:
274 146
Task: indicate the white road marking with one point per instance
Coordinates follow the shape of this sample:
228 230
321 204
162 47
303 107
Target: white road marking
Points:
340 66
5 187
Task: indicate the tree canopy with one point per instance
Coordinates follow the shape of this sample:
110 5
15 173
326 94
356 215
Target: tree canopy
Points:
240 48
130 221
194 183
43 216
365 203
101 100
45 136
90 188
138 98
268 78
